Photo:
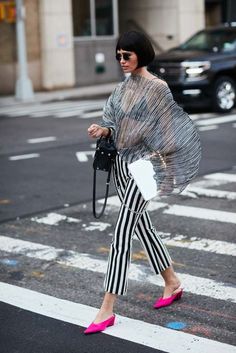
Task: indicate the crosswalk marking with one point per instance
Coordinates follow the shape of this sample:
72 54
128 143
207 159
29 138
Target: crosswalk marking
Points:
207 183
114 201
184 211
213 289
179 240
202 213
229 178
229 195
150 335
140 273
218 120
82 109
54 219
207 128
92 114
198 116
57 110
82 156
51 106
42 139
24 156
202 244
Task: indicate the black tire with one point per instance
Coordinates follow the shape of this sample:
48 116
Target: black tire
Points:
224 94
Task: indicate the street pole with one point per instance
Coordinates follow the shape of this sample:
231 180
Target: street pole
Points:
23 90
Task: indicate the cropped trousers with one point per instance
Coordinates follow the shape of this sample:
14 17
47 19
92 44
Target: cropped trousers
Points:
133 219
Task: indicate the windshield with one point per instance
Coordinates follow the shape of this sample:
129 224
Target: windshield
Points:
218 40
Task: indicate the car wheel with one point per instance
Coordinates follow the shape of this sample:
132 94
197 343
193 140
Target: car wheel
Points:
224 94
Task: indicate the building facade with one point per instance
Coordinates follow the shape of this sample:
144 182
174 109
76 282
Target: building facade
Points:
71 42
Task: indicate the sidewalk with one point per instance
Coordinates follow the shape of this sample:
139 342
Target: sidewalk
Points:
77 92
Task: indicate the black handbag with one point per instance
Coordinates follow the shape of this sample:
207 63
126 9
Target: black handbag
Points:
104 158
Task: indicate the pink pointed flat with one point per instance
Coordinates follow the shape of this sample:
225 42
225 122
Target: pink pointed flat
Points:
101 326
161 302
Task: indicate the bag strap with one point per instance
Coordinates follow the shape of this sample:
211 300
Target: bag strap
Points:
98 215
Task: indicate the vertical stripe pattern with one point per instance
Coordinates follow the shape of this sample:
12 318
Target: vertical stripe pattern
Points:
133 219
149 124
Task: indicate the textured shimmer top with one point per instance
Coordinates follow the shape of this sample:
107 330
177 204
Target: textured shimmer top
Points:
149 124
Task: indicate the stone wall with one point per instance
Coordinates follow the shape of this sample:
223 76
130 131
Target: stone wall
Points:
57 48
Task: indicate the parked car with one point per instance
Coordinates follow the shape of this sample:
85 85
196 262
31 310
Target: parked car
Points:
202 71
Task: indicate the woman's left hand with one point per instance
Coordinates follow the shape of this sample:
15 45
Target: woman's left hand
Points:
96 131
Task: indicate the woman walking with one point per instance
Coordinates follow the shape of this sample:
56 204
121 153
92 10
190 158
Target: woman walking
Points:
146 123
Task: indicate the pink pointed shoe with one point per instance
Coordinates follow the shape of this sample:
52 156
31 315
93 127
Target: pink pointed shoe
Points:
101 326
161 302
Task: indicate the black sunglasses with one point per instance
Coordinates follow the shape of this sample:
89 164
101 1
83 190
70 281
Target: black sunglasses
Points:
126 56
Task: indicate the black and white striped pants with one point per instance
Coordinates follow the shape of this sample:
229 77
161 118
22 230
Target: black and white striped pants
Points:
133 219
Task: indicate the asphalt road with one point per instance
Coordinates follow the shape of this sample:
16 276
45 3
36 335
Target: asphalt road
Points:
56 176
50 244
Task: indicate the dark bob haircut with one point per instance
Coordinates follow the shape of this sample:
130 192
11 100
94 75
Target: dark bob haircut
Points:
138 43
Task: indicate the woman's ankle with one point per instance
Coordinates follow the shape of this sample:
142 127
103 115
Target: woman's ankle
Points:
173 282
103 315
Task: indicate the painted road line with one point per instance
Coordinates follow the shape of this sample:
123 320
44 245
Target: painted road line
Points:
202 213
83 156
179 240
207 128
53 219
201 244
207 183
42 139
137 331
234 124
184 211
17 109
35 107
98 226
41 115
96 114
70 114
114 201
218 120
24 156
140 273
220 194
42 110
230 178
203 116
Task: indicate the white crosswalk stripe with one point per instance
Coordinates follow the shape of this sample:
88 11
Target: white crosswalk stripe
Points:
213 193
63 109
206 209
146 334
93 108
218 120
198 188
202 213
194 284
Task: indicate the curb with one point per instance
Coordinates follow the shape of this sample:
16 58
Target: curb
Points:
59 95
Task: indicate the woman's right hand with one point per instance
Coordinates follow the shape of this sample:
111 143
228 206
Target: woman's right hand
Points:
96 131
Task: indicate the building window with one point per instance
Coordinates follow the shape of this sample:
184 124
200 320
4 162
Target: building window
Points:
81 18
104 17
94 18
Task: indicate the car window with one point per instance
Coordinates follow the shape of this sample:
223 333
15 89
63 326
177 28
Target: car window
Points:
218 40
229 45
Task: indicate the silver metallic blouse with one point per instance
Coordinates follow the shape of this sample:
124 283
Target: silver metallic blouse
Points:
149 124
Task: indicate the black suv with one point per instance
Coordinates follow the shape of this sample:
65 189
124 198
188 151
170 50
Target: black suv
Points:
202 71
